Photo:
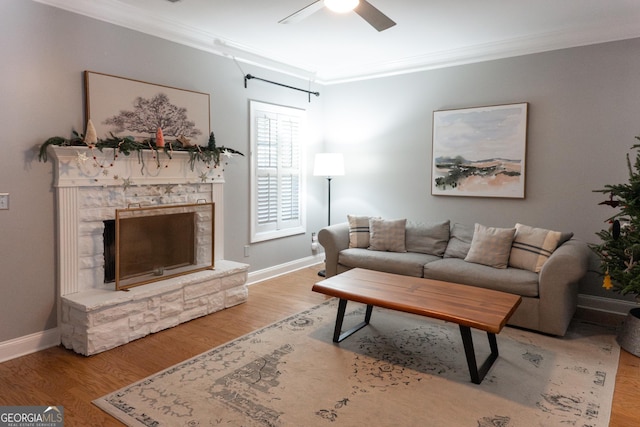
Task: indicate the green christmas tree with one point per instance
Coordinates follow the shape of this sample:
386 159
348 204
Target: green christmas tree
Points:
619 251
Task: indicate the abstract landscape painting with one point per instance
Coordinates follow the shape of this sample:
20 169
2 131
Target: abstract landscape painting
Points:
480 151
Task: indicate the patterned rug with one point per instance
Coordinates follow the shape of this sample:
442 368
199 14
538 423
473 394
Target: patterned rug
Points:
401 370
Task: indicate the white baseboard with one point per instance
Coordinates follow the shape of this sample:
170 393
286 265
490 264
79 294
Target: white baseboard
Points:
28 344
279 270
608 305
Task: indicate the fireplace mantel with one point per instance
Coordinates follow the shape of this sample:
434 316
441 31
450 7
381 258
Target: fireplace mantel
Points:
77 167
90 185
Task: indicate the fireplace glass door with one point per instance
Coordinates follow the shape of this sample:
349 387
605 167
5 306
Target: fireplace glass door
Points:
160 242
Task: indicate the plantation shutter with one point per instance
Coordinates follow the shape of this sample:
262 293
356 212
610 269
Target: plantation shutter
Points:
276 159
290 168
267 171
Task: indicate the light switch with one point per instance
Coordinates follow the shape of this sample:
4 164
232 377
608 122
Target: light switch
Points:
4 201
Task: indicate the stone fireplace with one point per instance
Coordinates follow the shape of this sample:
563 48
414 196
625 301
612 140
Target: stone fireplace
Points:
90 186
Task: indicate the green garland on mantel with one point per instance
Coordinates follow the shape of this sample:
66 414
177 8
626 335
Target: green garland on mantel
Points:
210 155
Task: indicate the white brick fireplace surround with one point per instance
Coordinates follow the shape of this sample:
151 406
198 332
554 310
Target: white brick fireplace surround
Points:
90 185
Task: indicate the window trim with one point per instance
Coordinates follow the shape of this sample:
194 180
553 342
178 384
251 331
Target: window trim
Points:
298 227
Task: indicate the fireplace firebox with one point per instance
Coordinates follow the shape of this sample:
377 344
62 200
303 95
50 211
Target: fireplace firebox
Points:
143 245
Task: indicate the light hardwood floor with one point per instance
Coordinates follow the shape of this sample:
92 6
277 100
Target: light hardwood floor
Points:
57 376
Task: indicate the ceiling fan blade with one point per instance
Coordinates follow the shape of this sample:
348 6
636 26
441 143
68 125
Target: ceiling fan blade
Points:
373 16
303 13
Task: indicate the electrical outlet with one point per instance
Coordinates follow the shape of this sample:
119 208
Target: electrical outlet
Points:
4 200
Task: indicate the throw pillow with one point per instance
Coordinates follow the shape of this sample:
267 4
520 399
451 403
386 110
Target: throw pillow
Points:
429 239
387 235
358 231
459 241
533 246
491 246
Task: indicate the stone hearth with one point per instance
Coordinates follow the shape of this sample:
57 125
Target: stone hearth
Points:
90 186
97 320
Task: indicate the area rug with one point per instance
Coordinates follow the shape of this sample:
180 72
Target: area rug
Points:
401 370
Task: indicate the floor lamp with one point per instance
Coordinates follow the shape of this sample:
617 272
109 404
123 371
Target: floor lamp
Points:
328 165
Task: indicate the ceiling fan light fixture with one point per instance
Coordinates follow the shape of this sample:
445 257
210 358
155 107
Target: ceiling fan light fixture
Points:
341 6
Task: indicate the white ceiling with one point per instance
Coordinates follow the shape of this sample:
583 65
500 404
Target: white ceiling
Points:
329 48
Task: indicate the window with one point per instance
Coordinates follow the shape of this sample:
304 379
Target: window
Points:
277 208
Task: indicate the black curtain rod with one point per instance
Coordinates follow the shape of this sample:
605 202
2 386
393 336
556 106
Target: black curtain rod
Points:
249 77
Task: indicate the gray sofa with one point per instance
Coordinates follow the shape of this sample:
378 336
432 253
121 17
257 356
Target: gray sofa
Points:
438 251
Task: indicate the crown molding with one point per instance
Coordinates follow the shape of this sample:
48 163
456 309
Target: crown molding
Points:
124 15
483 52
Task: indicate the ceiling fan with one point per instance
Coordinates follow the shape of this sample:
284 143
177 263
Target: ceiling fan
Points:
366 10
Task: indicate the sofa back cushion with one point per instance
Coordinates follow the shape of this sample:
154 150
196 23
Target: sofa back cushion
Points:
459 241
427 238
491 246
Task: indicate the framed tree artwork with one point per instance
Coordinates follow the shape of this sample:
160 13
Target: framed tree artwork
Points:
126 107
480 152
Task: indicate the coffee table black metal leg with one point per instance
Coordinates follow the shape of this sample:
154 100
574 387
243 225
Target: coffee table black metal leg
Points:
477 375
338 335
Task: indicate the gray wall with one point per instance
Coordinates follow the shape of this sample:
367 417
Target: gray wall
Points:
584 110
584 107
44 51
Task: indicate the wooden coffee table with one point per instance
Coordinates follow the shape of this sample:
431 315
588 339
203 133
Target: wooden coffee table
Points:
467 306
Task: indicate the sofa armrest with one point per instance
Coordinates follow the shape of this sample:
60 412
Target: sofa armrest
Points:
333 239
558 285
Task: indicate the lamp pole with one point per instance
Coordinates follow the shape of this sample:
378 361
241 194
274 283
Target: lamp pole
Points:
329 202
328 165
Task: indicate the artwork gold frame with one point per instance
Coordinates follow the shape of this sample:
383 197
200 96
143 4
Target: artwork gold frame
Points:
126 107
480 151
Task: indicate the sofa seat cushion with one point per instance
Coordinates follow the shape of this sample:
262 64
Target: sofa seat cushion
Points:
407 263
512 280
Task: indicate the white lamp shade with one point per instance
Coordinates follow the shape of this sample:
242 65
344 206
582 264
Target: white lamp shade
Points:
328 164
341 6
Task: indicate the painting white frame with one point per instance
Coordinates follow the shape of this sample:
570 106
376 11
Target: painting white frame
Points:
480 151
107 96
